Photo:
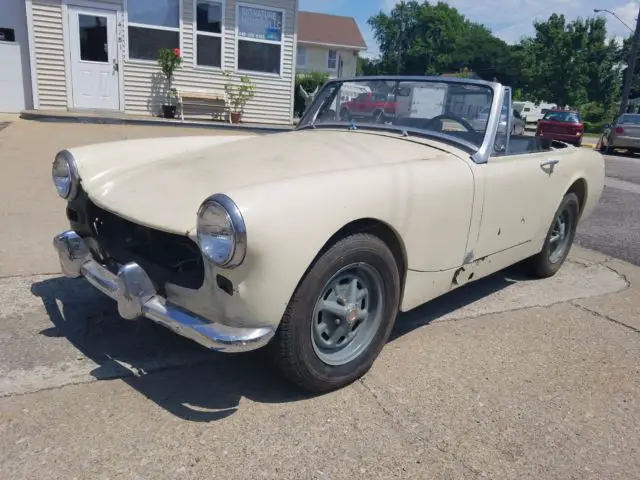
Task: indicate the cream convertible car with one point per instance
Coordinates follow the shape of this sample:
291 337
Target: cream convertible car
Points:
309 242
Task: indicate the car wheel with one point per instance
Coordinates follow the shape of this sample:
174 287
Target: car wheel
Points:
340 316
558 241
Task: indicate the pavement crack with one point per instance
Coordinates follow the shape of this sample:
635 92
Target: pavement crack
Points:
605 317
397 420
386 410
624 277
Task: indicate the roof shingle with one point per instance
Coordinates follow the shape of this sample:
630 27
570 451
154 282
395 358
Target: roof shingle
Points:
329 29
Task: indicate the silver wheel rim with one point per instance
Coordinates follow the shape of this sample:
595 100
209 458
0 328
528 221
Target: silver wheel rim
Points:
559 237
347 314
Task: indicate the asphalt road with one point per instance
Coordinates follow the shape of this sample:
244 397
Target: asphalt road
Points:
614 227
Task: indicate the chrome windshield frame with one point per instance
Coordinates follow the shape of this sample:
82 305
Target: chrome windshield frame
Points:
479 154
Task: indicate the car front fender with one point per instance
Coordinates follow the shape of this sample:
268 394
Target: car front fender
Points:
288 223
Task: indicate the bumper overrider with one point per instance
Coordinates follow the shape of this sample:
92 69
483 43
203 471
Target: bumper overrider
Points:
136 296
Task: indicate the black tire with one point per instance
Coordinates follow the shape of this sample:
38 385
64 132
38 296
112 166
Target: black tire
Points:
292 347
540 265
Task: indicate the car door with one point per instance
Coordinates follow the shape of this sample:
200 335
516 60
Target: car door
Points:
523 186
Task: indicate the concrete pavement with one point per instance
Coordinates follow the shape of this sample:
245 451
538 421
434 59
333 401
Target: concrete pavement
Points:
475 385
505 378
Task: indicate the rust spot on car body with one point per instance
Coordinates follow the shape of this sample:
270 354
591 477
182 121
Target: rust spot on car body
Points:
456 275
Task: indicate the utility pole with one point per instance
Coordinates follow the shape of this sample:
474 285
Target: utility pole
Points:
628 78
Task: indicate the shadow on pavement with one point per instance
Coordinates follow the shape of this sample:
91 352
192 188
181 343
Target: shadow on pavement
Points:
212 386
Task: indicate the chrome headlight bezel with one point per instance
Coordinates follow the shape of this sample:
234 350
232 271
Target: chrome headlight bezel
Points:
71 190
206 233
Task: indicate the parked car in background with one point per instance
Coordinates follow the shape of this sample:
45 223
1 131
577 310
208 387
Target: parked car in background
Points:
532 112
563 125
624 133
369 105
517 124
308 243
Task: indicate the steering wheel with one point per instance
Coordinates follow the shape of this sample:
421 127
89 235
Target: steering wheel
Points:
455 118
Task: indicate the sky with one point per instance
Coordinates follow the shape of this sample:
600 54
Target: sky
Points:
507 19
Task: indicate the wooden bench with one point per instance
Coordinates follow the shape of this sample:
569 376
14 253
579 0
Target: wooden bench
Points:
203 102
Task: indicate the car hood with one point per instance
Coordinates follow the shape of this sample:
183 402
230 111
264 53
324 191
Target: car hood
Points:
161 182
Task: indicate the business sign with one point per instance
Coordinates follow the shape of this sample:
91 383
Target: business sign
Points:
259 24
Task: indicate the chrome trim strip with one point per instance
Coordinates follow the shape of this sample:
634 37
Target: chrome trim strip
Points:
73 173
483 154
100 278
131 289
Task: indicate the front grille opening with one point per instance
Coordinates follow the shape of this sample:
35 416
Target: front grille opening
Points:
166 257
72 215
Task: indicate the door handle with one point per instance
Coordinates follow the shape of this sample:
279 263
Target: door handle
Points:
116 67
549 165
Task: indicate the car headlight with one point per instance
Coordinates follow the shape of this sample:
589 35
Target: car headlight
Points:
65 174
222 235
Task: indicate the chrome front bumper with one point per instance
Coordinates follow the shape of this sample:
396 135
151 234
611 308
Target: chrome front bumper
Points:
137 297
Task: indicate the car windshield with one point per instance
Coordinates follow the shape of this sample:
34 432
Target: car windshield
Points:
568 117
630 119
441 108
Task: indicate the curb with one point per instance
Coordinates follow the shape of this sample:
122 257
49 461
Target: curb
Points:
69 117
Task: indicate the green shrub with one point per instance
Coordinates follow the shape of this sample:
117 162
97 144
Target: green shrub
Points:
593 127
309 81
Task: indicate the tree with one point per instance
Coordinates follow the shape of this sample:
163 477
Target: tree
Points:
570 63
368 66
421 38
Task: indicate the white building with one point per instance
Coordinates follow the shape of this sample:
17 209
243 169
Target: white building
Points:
328 43
100 54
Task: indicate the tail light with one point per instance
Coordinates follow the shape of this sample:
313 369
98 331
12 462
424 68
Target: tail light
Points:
619 130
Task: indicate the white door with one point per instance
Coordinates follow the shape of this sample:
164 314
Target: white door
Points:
94 60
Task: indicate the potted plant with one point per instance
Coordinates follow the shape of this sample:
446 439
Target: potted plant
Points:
238 95
169 59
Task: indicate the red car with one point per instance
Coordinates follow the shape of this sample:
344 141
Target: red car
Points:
369 105
562 125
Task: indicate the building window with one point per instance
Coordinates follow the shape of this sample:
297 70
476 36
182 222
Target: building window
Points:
208 29
301 59
260 38
332 60
152 25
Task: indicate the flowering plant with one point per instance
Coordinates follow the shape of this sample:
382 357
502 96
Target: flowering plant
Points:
169 59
